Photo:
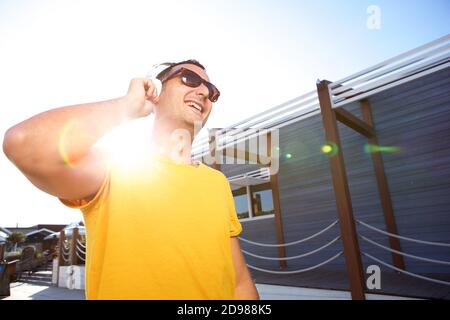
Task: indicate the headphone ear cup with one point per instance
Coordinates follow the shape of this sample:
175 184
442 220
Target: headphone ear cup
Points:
153 75
158 85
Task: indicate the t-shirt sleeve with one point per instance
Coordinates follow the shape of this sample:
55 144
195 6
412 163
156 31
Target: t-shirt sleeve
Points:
100 196
235 225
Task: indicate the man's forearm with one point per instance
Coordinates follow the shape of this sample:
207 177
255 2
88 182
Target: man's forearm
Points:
39 139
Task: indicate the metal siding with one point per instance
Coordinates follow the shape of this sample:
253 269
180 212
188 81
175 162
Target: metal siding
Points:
414 117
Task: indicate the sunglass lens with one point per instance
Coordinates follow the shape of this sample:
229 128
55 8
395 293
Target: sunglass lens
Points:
194 80
191 80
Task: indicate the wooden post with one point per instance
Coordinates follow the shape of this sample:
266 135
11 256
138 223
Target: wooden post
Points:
342 193
61 261
2 251
73 249
250 202
277 208
383 188
62 237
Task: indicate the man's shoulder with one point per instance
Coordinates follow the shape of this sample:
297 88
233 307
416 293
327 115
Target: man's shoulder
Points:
215 173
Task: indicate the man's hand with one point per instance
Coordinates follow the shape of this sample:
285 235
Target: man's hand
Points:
141 97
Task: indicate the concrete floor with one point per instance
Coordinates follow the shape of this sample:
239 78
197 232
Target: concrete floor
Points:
274 292
25 291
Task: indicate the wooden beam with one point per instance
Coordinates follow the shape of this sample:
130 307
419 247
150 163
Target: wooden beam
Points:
342 193
261 187
383 189
355 123
255 188
239 192
277 208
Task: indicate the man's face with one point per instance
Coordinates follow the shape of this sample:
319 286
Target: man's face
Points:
176 99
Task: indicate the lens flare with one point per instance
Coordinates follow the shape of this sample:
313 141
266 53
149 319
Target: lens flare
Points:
326 149
374 148
62 143
127 146
288 156
330 149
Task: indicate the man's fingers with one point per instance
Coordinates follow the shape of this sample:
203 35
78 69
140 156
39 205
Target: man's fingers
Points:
149 89
147 84
152 91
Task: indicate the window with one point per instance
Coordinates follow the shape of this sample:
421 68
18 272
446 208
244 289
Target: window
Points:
241 204
262 203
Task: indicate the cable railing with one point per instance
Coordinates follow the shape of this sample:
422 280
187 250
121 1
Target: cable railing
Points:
404 271
293 242
441 244
294 257
430 243
299 270
72 250
81 251
65 250
79 257
403 253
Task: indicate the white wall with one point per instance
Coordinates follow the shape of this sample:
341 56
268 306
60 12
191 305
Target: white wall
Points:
72 277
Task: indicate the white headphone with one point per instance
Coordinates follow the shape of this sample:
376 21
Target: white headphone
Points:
152 75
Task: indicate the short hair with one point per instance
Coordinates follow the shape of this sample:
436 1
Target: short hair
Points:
173 64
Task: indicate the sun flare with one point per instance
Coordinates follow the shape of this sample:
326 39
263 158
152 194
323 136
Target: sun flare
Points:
128 144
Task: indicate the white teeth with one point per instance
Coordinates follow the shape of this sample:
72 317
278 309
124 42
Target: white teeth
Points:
196 106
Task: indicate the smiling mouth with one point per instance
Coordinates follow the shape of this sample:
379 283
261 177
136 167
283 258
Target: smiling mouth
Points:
196 108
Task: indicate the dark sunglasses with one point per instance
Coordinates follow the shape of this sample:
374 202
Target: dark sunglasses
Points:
191 79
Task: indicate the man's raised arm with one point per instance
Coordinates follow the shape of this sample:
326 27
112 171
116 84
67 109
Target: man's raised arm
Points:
54 149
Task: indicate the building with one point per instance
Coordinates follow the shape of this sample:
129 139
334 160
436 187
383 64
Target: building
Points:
35 234
362 180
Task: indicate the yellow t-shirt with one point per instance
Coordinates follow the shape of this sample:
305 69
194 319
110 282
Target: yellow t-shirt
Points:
160 230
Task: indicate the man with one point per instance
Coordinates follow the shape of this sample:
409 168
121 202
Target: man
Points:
162 229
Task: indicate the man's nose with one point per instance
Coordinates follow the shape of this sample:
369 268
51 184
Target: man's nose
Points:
202 90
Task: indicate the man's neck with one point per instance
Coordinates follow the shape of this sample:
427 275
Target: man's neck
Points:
173 141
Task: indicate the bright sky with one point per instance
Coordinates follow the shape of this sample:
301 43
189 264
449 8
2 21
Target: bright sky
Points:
259 53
